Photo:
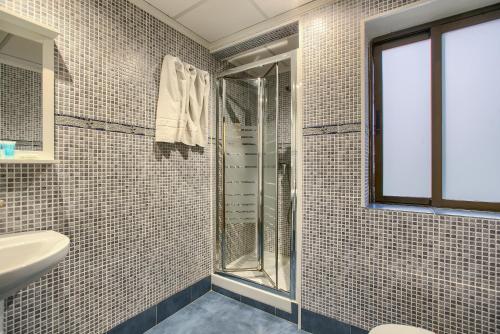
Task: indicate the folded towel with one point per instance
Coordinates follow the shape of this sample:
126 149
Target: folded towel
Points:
182 109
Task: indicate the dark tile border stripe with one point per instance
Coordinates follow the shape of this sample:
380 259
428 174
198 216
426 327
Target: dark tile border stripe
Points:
159 312
87 123
319 324
292 317
331 129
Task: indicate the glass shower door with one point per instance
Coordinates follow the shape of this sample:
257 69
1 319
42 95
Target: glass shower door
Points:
276 178
255 175
269 178
240 246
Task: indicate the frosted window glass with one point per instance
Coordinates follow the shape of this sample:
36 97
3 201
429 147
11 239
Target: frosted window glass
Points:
406 86
471 113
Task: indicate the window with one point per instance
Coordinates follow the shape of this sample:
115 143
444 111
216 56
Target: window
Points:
435 122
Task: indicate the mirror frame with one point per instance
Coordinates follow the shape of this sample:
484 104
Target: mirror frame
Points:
14 24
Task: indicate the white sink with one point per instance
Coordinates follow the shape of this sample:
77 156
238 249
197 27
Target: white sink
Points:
27 256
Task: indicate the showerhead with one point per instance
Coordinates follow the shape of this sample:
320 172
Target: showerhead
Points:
284 166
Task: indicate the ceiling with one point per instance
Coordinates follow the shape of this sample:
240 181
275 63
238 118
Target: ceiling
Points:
217 19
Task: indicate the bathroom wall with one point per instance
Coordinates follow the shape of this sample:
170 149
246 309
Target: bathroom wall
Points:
362 266
137 212
138 215
21 107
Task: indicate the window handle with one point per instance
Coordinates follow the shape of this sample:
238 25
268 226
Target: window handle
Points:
378 121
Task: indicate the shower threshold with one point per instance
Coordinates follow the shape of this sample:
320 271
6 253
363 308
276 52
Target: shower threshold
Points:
260 277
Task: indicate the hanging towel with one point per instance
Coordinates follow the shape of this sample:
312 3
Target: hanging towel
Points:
172 101
182 109
197 119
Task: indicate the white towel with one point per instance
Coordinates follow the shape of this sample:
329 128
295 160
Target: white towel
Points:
197 119
172 100
182 109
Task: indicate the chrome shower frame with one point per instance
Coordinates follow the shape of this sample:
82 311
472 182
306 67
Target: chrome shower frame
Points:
220 171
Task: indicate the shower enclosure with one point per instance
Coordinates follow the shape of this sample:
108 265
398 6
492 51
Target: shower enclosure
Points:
256 173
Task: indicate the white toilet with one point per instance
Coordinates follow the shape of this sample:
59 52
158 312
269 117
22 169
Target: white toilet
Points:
398 329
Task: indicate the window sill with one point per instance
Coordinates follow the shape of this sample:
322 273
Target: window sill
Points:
435 211
28 161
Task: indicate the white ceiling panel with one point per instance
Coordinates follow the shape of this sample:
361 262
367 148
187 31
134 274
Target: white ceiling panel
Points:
215 19
275 7
173 7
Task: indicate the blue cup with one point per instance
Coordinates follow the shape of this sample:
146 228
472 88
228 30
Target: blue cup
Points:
9 149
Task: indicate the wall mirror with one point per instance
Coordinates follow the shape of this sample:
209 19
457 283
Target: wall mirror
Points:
26 90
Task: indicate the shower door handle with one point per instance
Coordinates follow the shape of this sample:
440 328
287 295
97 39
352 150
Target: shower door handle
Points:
293 254
293 204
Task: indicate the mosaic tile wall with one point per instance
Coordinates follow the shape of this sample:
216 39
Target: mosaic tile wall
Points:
137 212
21 107
363 266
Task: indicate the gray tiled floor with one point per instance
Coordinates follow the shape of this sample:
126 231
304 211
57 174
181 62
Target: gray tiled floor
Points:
215 313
